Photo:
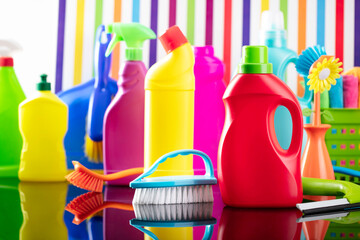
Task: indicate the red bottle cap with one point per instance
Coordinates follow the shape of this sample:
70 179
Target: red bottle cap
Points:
172 39
6 62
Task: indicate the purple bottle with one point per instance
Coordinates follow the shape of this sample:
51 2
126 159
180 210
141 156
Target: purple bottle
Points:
209 107
123 138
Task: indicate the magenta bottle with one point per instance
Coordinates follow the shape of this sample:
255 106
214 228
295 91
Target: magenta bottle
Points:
123 138
123 141
209 107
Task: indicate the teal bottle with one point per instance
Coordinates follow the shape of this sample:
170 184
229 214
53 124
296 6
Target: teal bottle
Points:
273 35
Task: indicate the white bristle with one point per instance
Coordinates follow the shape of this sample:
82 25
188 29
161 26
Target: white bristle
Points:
184 195
174 212
174 195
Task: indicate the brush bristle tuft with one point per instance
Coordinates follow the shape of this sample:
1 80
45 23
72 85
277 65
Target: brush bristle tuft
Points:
174 212
174 195
85 181
83 205
94 150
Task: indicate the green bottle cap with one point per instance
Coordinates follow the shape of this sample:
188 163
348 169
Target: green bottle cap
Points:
133 54
133 34
255 60
43 85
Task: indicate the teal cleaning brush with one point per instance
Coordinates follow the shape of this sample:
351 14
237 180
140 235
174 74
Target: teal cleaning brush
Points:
175 189
307 59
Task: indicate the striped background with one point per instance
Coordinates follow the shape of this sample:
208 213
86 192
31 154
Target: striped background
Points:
225 24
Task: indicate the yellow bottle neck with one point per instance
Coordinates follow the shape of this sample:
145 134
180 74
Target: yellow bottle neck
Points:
174 72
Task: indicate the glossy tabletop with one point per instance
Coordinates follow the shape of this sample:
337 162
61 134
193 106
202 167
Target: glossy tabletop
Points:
36 211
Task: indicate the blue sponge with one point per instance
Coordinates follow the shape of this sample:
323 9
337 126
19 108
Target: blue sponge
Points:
336 96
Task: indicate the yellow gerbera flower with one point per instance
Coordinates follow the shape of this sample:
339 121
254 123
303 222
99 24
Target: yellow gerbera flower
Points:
323 73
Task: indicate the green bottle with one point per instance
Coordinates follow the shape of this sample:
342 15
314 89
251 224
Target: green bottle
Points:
11 95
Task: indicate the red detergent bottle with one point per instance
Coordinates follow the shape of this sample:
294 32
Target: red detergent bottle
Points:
254 171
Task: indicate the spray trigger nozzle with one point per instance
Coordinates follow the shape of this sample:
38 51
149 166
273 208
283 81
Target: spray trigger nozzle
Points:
8 46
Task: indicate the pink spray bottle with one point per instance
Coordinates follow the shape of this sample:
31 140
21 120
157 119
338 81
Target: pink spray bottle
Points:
209 106
123 141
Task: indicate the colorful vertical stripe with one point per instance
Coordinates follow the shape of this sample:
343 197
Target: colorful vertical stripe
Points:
172 13
136 11
60 46
227 40
153 26
320 37
98 15
190 21
79 41
115 63
339 38
246 22
209 22
357 34
284 9
98 19
302 26
301 38
264 5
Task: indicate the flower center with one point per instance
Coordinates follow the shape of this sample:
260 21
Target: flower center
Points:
324 74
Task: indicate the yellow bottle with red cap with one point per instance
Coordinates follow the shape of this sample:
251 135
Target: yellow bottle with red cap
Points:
169 105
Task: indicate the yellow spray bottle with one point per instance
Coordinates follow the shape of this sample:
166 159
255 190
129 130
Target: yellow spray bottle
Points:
43 124
169 106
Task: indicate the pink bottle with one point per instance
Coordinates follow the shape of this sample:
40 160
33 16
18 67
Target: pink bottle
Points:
209 107
123 140
253 169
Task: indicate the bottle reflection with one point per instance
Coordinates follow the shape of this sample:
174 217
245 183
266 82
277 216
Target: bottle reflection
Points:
84 215
95 226
179 233
75 232
42 205
11 216
116 221
259 224
316 230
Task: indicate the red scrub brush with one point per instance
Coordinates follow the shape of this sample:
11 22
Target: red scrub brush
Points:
86 179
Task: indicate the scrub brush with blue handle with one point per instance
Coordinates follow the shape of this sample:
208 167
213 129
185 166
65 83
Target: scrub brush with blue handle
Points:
99 99
307 58
303 64
175 189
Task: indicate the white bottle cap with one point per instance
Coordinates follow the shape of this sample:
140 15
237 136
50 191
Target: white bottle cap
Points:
272 20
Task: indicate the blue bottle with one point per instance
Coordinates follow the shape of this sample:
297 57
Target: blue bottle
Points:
273 35
77 99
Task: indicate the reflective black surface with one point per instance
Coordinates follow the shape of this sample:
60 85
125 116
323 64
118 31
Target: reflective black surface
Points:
37 211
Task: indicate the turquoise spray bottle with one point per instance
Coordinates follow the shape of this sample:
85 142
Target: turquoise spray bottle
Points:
273 35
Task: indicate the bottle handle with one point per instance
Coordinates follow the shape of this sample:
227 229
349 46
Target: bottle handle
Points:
297 125
308 95
208 164
101 62
283 68
307 98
